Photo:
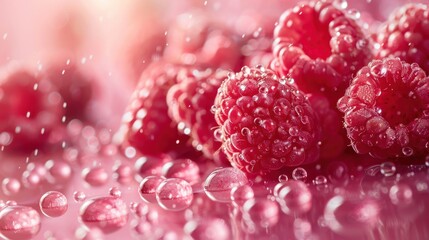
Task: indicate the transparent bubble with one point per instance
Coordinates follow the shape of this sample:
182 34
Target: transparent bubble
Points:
283 178
262 213
388 169
294 197
219 183
174 194
240 194
185 169
79 196
53 204
401 194
10 186
299 174
115 192
320 180
148 186
19 222
96 176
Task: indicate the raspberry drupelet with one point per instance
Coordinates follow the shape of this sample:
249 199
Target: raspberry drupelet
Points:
190 102
386 110
266 124
320 47
406 35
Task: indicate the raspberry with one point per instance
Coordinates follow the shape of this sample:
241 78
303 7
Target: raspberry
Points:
406 35
265 123
30 109
146 124
190 103
386 109
334 138
320 47
195 39
74 86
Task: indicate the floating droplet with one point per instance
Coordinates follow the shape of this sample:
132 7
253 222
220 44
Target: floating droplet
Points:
174 194
96 176
387 169
79 196
219 183
185 169
53 204
299 174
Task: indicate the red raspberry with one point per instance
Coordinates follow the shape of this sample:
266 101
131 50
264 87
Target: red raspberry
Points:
334 138
30 109
190 102
195 39
265 123
320 47
146 124
75 87
406 35
386 109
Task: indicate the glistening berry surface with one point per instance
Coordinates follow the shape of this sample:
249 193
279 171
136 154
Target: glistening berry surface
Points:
265 123
386 109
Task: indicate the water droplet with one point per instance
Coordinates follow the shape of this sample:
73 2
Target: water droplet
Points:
10 186
299 174
148 186
407 151
401 194
320 180
387 169
53 204
240 194
108 214
174 194
185 169
341 4
19 222
219 183
96 176
115 192
150 166
208 228
79 196
283 178
261 212
294 197
354 14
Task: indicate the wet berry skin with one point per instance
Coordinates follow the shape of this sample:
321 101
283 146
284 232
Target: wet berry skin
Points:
190 102
406 35
320 47
386 109
145 123
30 108
265 124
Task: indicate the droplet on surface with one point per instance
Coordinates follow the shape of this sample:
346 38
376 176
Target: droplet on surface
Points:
148 186
108 214
387 169
261 212
401 194
53 204
294 197
174 194
96 176
240 194
208 229
185 169
79 196
19 222
10 186
219 183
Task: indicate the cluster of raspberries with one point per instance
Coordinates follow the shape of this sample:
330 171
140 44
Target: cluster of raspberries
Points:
321 84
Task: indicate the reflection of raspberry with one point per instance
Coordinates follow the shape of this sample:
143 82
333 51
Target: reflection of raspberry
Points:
320 47
405 35
194 39
30 109
386 109
334 137
146 124
265 123
190 103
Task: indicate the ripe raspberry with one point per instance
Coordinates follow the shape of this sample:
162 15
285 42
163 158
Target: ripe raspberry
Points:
30 109
190 102
334 137
406 35
195 39
146 124
320 47
265 123
74 86
386 109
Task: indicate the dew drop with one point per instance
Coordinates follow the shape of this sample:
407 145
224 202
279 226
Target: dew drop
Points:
19 222
79 196
174 194
148 186
219 183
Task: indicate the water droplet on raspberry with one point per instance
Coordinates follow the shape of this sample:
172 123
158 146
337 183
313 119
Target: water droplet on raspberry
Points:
240 194
174 194
148 186
387 169
261 212
294 197
108 214
96 176
10 186
219 183
53 204
407 151
351 216
283 178
401 194
79 196
185 169
19 222
299 174
320 180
